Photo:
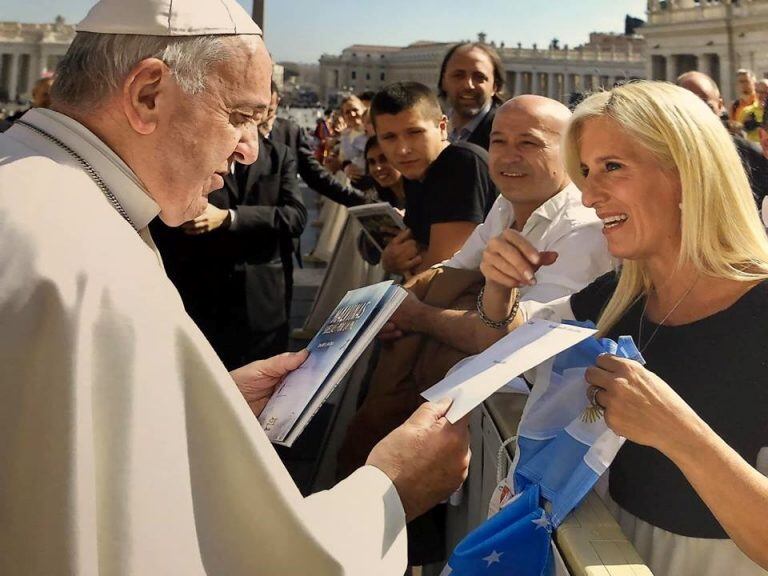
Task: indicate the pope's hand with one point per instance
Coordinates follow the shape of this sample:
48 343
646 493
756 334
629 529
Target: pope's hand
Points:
208 221
427 458
258 379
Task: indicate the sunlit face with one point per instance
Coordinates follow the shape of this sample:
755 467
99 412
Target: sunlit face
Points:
411 141
745 84
380 168
352 112
633 194
468 81
524 157
202 135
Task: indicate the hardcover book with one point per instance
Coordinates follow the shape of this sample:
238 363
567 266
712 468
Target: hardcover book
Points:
332 352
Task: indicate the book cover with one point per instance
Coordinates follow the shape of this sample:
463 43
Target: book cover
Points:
375 219
326 352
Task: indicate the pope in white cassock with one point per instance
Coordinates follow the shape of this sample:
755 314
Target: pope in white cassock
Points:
125 446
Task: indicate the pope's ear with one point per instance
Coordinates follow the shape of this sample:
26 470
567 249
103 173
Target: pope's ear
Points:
141 94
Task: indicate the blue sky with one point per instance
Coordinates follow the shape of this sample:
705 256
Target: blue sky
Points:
301 30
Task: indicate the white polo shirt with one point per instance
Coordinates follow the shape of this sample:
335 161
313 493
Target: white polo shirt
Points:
563 225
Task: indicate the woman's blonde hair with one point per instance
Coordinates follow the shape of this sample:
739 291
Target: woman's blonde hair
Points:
722 235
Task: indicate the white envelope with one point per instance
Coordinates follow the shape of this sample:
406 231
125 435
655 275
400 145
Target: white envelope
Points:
526 347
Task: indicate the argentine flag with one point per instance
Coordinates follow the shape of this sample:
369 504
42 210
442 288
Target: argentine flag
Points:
560 456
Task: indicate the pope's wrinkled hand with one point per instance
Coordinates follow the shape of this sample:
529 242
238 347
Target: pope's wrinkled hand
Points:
257 380
638 404
427 458
208 221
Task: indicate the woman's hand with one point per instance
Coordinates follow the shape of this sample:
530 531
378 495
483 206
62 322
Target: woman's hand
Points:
639 405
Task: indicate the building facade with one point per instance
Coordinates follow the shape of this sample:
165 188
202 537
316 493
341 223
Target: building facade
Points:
716 37
555 71
29 52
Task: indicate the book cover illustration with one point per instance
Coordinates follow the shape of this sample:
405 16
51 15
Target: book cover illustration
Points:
326 350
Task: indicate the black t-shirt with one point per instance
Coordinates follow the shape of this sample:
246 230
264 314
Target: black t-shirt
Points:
456 188
718 365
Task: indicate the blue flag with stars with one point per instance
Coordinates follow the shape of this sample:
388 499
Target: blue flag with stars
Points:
560 456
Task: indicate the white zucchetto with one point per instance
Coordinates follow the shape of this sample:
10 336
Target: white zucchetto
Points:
169 18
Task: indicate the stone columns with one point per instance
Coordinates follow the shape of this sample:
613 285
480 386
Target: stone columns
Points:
671 73
535 82
13 77
518 82
552 86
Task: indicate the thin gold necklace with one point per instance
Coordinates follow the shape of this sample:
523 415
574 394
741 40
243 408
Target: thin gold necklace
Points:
660 324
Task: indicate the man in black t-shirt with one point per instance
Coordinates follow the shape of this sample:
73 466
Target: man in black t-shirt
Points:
448 191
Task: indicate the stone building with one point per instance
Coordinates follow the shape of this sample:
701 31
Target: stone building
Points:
28 52
555 71
716 37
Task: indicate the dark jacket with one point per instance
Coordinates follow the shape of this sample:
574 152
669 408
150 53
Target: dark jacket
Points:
755 165
314 174
481 136
236 282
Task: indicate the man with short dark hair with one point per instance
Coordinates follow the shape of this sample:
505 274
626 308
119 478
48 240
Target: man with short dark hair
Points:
471 83
447 187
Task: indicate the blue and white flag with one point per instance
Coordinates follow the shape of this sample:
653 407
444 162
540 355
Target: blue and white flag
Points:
560 456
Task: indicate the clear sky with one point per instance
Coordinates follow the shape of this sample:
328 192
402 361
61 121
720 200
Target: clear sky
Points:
302 30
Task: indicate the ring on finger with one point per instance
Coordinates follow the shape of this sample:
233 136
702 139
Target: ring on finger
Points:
592 395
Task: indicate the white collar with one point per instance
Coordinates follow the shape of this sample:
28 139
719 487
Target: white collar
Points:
115 173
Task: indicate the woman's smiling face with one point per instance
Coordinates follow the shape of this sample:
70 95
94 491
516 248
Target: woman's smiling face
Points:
636 197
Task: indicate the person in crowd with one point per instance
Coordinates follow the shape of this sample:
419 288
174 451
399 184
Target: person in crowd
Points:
448 190
286 132
41 97
751 116
538 200
366 97
233 264
745 85
133 449
755 164
353 138
688 486
388 181
388 187
322 133
471 83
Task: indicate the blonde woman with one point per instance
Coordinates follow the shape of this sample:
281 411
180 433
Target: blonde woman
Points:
663 175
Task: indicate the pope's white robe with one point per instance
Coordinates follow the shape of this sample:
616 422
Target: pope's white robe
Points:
125 447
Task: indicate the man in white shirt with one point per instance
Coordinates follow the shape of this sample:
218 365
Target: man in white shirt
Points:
125 445
538 200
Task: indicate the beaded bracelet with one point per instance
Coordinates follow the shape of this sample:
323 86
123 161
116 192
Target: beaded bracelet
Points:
497 324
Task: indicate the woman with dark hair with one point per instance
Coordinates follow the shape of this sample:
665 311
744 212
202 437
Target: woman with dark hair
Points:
387 187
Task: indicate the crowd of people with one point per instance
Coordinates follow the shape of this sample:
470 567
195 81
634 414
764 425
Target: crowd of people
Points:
142 327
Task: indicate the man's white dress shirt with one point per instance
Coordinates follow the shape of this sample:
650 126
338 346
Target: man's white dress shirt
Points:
561 224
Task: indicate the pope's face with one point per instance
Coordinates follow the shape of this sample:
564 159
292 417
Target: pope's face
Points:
205 133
